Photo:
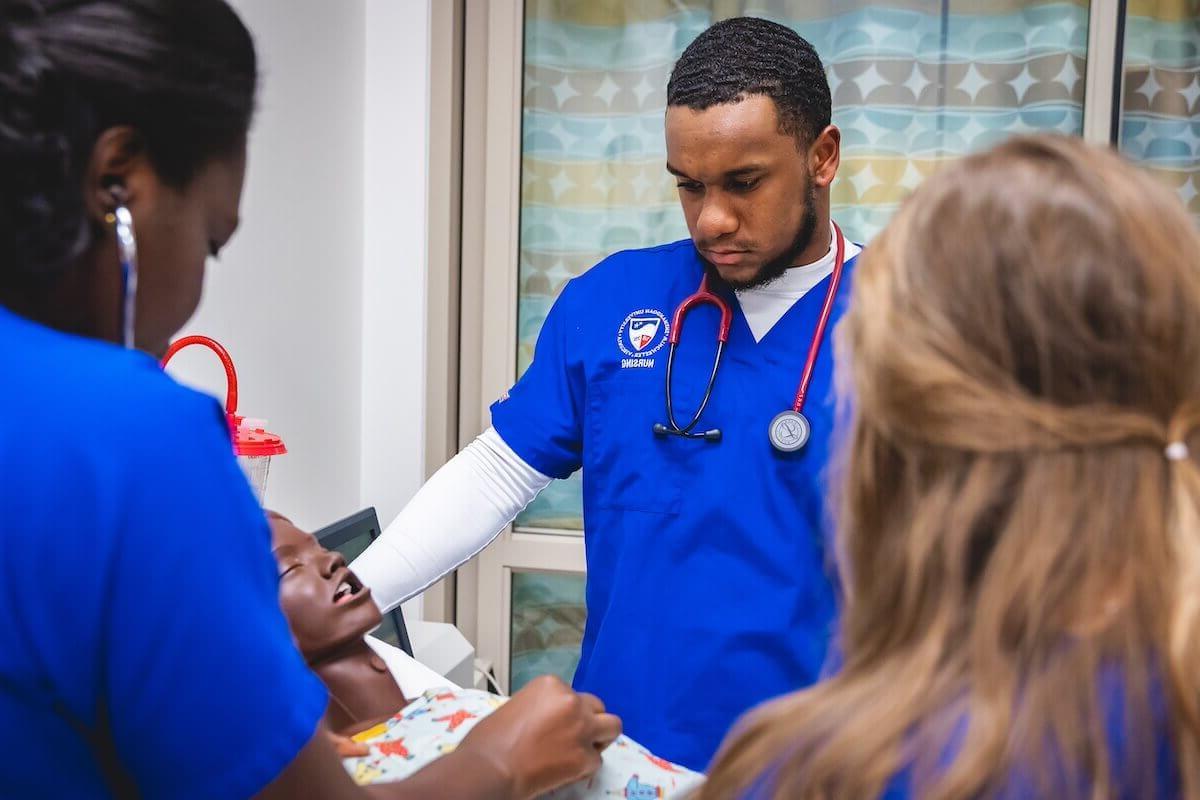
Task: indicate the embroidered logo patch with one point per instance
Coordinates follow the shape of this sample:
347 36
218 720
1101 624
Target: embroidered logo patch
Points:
641 335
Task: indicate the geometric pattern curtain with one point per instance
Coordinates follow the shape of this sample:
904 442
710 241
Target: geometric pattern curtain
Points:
1160 121
915 83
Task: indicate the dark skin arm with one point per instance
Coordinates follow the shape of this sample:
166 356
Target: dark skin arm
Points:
545 737
317 772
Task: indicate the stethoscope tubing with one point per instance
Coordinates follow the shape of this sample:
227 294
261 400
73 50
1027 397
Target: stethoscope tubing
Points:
704 296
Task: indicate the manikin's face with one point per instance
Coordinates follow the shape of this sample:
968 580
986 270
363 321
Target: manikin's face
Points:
326 606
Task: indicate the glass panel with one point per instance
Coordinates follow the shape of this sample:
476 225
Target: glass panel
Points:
548 614
558 509
1160 109
914 84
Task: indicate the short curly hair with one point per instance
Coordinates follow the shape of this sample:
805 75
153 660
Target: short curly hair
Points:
749 55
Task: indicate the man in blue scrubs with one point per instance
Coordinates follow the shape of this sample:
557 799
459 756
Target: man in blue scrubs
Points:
708 587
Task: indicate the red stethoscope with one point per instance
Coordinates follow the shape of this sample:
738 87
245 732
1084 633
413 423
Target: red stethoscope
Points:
790 429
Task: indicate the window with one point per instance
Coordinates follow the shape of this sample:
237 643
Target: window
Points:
1160 104
911 89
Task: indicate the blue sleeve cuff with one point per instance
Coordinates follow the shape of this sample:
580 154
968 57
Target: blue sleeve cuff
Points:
521 441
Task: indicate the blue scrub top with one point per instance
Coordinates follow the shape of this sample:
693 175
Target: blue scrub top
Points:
709 588
136 579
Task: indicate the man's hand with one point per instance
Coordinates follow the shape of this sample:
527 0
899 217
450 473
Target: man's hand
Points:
545 737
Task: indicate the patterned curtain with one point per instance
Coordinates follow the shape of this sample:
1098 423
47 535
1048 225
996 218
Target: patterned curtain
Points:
915 83
1160 122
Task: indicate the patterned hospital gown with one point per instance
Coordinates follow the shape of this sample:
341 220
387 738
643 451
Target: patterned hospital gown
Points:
435 723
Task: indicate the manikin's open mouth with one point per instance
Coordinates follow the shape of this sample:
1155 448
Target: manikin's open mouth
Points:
347 588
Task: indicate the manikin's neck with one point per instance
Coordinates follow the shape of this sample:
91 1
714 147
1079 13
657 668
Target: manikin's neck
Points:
362 691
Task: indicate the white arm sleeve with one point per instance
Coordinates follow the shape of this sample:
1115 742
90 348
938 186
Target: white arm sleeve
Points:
458 512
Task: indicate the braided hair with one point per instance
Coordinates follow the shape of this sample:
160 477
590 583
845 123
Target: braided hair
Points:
748 55
181 73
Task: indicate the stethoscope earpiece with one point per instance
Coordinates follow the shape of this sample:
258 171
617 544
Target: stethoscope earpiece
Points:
127 255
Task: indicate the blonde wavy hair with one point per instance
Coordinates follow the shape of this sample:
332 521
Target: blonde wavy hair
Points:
1018 531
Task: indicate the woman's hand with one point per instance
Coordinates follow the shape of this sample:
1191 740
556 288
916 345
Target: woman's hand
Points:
545 737
346 747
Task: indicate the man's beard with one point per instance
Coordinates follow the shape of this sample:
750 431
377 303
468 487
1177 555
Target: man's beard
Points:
773 269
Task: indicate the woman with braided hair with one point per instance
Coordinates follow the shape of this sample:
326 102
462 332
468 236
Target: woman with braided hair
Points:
123 129
1019 530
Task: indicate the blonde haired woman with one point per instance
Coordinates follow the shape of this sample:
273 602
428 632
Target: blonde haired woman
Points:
1019 532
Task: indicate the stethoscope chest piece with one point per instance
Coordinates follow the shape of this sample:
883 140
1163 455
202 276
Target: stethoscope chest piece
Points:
789 431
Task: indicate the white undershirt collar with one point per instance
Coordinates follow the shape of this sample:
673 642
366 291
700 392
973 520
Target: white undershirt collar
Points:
764 306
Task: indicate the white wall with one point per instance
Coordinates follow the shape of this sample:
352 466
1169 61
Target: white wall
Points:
394 257
286 296
394 266
320 297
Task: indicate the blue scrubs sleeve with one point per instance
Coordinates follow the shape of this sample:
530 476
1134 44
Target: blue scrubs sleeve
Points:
207 694
541 417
